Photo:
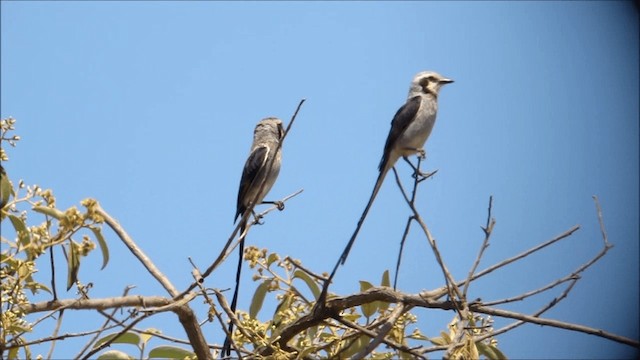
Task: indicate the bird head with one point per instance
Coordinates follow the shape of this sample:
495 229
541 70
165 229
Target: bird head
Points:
427 82
271 127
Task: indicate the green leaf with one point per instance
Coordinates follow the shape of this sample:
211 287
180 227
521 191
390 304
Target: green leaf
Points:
277 317
417 335
385 279
6 190
170 352
103 245
310 283
369 308
438 341
115 355
34 287
126 338
382 305
490 351
258 298
13 353
73 265
354 346
273 257
406 355
500 354
23 234
306 352
145 337
53 212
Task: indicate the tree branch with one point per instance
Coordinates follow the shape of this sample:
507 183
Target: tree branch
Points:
383 331
488 229
137 252
554 323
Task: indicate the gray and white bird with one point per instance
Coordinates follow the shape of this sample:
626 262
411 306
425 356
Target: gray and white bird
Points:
258 176
410 128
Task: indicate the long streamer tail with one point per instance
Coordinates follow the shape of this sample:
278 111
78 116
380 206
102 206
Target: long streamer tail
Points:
226 348
347 249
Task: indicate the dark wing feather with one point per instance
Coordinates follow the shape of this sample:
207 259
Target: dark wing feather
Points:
253 166
404 116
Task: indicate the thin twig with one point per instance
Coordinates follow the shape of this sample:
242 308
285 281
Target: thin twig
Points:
298 265
104 326
232 317
599 212
388 342
383 331
485 244
523 254
554 323
571 277
402 241
451 285
55 333
111 340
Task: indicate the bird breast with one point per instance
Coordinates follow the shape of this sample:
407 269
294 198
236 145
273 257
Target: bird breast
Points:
418 131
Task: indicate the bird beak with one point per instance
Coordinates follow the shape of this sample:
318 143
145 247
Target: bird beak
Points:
445 81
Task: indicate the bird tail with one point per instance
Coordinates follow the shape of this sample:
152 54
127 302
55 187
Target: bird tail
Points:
347 249
226 348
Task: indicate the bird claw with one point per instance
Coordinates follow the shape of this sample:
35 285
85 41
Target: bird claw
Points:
423 175
279 205
257 218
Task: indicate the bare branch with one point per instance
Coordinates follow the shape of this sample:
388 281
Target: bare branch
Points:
104 326
555 323
602 229
451 285
372 334
485 244
523 254
137 252
92 304
383 331
232 317
111 340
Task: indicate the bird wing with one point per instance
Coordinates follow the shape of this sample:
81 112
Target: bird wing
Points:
252 168
403 117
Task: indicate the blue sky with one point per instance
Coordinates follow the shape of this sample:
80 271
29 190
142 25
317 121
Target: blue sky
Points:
149 107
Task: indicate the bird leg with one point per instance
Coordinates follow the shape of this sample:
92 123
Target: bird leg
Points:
416 172
256 218
279 204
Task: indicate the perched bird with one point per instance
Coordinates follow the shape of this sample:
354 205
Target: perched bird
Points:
258 176
410 128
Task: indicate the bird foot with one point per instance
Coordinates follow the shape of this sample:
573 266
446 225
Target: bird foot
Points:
257 218
420 175
279 204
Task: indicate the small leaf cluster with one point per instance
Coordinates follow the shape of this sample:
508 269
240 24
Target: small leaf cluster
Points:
296 291
31 226
474 327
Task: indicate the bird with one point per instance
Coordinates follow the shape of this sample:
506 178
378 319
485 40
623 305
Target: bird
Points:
410 129
258 176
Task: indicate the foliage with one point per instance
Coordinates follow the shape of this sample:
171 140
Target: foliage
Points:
296 292
377 322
